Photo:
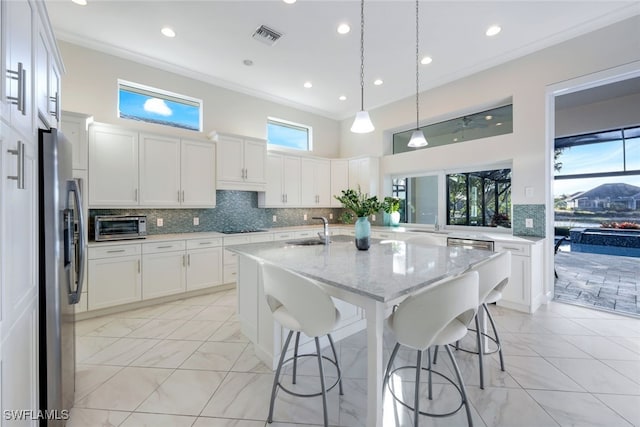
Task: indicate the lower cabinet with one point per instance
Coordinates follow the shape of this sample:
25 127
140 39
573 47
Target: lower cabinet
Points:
204 268
524 292
114 276
163 273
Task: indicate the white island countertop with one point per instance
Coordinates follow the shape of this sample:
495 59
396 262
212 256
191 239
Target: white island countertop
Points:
385 272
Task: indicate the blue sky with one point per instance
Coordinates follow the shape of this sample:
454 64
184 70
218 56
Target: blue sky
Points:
155 109
287 137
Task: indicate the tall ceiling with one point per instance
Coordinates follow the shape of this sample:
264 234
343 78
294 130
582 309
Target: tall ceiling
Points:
213 38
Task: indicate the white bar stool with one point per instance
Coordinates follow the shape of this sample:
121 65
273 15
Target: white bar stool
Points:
300 305
438 315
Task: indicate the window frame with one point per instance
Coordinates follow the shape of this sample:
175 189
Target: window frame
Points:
291 125
165 95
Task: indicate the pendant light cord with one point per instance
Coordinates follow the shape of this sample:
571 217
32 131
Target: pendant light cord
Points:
417 69
362 55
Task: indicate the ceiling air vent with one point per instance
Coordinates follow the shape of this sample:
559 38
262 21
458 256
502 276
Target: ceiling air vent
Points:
266 35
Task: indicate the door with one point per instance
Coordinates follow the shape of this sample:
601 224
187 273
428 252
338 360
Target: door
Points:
159 171
113 166
198 174
255 153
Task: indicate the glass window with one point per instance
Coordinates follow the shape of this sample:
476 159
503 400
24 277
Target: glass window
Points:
579 159
151 105
418 198
632 154
284 134
497 121
481 198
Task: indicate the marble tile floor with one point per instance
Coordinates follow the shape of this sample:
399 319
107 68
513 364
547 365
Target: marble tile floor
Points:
605 282
185 363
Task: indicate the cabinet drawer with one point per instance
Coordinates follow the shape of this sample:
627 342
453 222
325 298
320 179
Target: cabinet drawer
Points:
258 238
236 240
515 248
230 258
158 247
204 243
230 273
283 236
113 251
307 233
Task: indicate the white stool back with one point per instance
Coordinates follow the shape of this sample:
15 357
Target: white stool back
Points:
294 297
420 318
494 275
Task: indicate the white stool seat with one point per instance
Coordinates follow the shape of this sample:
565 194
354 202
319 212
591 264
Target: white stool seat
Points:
288 321
494 296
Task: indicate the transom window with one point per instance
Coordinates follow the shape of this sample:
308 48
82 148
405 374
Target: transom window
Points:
151 105
286 134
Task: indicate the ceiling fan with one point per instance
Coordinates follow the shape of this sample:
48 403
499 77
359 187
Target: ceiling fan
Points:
467 123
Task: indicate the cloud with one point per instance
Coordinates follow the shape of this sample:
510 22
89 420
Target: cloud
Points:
158 106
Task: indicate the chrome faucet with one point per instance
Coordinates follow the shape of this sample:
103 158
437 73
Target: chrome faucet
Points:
324 236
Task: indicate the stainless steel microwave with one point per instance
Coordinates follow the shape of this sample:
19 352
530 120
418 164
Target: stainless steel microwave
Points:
120 227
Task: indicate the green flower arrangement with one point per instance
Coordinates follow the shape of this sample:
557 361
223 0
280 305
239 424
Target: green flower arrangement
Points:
391 204
359 203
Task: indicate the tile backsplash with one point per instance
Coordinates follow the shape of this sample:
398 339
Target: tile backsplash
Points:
235 210
533 212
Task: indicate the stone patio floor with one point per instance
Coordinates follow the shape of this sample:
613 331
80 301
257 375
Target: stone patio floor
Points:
605 282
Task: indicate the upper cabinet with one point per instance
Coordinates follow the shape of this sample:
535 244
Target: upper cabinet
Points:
17 91
47 85
75 127
127 168
241 163
283 182
339 180
363 173
316 182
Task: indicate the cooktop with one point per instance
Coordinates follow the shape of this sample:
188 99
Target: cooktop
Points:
241 231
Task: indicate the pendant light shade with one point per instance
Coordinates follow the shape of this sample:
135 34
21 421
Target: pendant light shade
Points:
362 122
417 137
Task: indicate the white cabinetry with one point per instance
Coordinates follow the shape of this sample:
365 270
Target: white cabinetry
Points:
17 48
283 182
163 269
241 163
524 292
47 85
114 275
363 173
316 182
198 173
204 263
113 166
159 171
339 180
74 126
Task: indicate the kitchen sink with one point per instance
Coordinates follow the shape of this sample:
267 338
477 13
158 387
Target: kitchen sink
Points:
308 242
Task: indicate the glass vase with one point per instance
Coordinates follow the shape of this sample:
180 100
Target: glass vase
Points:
363 233
395 218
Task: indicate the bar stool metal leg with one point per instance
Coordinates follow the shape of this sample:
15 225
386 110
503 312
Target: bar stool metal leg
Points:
430 382
495 333
295 357
480 352
417 396
462 387
387 373
276 380
324 390
335 357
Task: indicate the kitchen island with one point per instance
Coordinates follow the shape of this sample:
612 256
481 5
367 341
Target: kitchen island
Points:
366 283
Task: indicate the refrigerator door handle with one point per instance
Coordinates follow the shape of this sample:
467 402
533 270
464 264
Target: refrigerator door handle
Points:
80 246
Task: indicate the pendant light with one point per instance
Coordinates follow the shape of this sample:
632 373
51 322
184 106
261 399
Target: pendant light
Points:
362 122
417 137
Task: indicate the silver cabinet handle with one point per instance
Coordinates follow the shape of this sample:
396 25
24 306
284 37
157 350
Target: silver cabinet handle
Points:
182 196
19 177
205 243
282 197
189 260
114 251
178 196
135 195
21 77
164 247
286 198
184 260
55 113
509 248
138 266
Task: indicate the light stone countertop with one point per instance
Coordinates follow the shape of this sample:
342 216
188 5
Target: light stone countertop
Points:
387 271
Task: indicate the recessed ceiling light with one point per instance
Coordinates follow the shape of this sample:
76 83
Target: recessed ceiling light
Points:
80 2
378 82
343 28
488 117
289 1
308 85
493 30
342 98
248 62
455 139
168 32
499 124
426 60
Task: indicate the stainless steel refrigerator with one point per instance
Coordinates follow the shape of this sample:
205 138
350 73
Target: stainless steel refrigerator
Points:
61 270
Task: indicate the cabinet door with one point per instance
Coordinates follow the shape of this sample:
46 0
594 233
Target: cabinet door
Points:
198 174
291 180
307 183
517 290
113 166
323 182
113 281
18 39
163 274
204 268
339 180
54 93
255 154
42 78
74 127
159 171
274 194
230 161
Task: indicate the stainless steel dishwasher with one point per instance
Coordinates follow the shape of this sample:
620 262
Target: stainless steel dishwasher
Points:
486 245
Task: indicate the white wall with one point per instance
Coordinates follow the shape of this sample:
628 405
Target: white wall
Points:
610 114
90 86
526 80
